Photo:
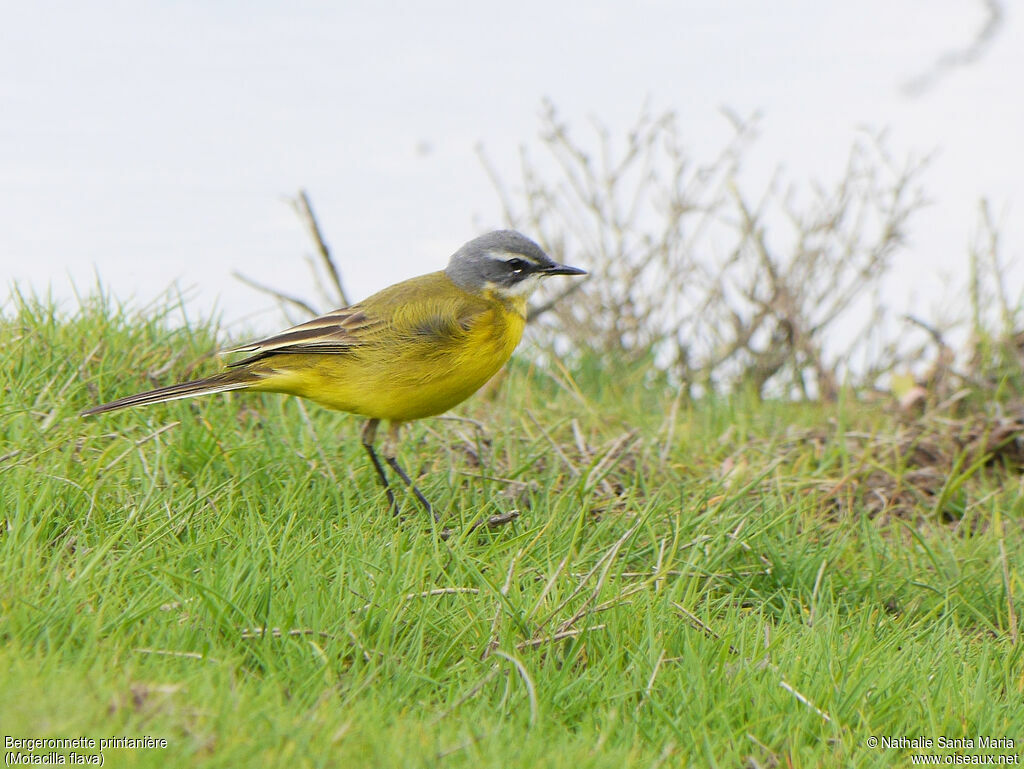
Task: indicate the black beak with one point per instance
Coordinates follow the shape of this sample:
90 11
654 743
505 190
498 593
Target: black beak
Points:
562 269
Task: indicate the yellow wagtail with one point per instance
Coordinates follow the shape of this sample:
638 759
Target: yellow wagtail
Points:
413 350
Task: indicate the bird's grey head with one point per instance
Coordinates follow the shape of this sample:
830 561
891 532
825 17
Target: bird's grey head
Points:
504 261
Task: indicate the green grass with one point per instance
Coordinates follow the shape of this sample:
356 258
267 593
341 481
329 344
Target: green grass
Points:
686 585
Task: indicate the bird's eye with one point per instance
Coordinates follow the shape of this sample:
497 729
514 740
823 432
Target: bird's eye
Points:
516 265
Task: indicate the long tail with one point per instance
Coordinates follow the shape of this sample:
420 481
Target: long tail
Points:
218 383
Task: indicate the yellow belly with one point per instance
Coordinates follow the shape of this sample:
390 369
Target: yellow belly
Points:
400 378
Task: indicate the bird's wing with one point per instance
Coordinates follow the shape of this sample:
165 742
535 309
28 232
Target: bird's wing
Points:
426 313
336 332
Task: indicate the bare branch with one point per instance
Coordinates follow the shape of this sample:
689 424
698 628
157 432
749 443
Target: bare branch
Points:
294 301
304 210
963 57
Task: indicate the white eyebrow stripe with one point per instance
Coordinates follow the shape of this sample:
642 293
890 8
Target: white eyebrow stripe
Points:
504 256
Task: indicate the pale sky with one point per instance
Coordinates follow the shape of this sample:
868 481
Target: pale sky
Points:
153 143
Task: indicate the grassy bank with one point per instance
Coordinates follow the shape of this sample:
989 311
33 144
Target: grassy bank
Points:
721 583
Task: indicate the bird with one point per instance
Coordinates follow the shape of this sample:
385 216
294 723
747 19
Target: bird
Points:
411 351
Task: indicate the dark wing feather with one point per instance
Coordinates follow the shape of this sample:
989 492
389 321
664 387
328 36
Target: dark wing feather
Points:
336 332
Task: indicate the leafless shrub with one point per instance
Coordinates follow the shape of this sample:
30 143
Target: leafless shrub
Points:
631 215
722 289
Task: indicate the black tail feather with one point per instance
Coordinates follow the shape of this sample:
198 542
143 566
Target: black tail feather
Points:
218 383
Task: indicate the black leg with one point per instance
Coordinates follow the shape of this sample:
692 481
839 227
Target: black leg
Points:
412 486
389 451
369 434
